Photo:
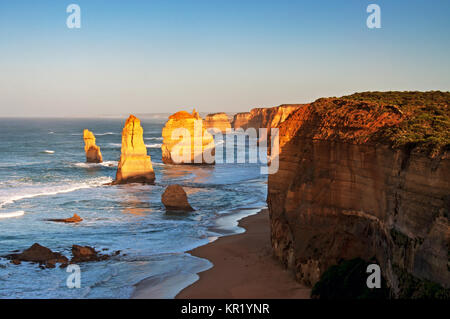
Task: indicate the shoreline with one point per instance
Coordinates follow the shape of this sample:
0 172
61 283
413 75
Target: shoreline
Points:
243 267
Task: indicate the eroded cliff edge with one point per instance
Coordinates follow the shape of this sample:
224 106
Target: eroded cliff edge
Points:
264 117
365 176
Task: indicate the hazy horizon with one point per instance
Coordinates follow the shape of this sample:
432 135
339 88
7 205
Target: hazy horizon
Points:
162 57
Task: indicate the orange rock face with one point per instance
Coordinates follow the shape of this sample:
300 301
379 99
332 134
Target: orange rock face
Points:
135 165
186 140
341 193
93 154
217 121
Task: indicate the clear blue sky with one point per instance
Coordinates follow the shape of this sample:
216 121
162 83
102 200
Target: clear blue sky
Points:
140 56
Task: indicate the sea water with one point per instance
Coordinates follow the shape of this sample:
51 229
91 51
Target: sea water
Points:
43 175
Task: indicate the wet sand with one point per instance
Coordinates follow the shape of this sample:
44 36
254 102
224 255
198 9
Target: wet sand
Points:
244 267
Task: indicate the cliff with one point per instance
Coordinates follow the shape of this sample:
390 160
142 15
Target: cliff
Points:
218 122
365 179
264 117
135 165
93 154
186 140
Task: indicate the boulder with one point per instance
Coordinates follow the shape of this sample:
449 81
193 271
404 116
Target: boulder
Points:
38 254
93 154
186 140
175 198
86 253
135 165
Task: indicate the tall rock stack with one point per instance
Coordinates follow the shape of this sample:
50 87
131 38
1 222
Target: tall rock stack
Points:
93 154
186 140
218 122
135 165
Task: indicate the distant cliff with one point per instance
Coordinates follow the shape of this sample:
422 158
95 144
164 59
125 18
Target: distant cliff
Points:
365 176
263 117
218 121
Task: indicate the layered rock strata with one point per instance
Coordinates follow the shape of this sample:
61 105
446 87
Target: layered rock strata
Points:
343 192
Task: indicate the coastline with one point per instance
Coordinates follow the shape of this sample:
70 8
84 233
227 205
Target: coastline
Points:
243 267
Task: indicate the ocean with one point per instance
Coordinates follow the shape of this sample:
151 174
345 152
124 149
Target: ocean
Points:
43 175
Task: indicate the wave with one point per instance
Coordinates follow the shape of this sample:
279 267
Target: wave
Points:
115 144
156 145
104 164
12 214
153 138
54 190
48 152
107 133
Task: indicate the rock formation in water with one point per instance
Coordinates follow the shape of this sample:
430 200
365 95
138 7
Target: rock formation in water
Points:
38 254
93 154
186 140
356 180
86 254
174 198
135 165
264 117
218 122
74 219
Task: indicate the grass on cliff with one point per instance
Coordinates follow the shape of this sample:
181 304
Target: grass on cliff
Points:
427 124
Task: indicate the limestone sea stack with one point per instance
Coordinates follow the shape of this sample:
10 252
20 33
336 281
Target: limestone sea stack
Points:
93 154
135 165
175 198
359 178
186 140
218 122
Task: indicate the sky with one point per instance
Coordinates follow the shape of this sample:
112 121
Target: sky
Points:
139 56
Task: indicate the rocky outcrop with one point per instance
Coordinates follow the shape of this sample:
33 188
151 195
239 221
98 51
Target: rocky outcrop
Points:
93 154
174 198
74 219
342 192
218 122
38 254
135 165
264 117
86 254
186 140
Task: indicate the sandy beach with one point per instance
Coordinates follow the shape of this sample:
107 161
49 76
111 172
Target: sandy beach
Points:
244 267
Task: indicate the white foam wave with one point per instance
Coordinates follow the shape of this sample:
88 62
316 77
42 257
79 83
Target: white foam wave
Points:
156 145
12 214
153 138
49 152
107 133
115 144
104 164
32 192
